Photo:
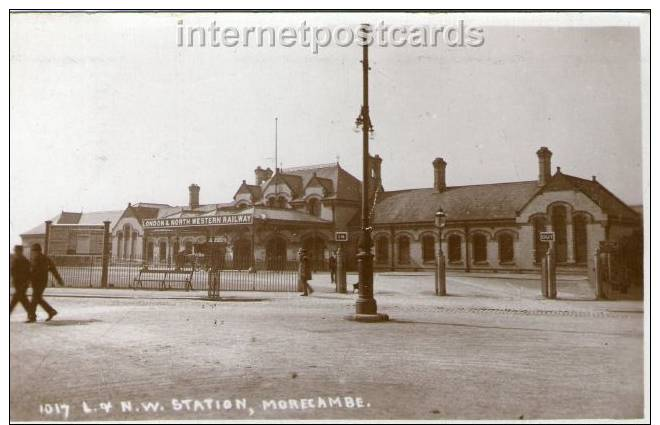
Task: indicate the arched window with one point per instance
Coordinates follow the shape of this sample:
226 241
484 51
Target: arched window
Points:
242 254
404 250
428 248
505 247
162 251
454 248
120 244
128 240
281 202
271 202
188 246
316 250
150 251
540 248
559 227
276 253
382 250
314 207
242 205
580 238
479 248
133 244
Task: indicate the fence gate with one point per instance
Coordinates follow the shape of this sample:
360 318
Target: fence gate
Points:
620 268
78 271
260 276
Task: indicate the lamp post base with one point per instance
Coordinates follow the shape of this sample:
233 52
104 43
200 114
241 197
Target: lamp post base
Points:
369 318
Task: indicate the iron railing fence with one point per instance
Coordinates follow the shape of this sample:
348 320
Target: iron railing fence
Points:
266 276
85 271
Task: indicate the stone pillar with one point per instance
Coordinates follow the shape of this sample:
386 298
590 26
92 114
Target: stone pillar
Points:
340 277
105 260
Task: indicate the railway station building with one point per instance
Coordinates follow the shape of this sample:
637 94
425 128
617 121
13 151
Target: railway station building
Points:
490 227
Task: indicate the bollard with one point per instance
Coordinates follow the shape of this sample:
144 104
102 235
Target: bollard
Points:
602 262
544 276
301 270
340 277
105 259
440 276
552 274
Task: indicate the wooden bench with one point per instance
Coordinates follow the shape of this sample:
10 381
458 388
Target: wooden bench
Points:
164 275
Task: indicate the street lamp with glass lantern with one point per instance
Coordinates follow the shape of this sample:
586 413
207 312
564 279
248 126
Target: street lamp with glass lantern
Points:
440 276
365 306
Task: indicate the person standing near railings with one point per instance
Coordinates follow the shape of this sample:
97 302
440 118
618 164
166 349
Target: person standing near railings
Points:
40 265
304 273
332 263
19 269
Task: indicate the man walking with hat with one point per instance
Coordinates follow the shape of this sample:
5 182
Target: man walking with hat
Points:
40 266
20 277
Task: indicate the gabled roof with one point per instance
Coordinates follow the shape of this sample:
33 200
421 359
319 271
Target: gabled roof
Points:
140 211
253 189
606 200
323 182
497 201
292 181
342 185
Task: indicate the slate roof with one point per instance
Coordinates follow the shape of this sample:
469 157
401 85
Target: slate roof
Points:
497 201
340 183
475 202
83 219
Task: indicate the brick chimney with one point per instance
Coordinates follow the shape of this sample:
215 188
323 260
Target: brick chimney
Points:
375 163
439 181
544 155
261 175
193 198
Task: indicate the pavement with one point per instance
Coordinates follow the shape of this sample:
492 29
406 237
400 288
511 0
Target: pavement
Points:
492 349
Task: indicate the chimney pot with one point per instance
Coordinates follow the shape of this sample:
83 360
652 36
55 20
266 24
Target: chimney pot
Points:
439 180
593 178
193 196
545 155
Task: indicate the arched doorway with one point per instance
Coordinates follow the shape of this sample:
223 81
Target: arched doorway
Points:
214 254
580 238
242 254
559 227
276 253
315 247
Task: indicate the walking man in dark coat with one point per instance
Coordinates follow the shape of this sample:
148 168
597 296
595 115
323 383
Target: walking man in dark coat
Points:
40 266
20 276
333 268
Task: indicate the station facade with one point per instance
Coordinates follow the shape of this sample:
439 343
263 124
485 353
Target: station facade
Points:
489 226
497 226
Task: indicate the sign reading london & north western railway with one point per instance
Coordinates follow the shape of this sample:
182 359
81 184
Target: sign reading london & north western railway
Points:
221 220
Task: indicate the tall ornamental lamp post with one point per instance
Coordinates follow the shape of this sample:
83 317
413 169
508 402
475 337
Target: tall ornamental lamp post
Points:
366 309
440 275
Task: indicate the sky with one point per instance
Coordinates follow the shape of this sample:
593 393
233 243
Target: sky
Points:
106 109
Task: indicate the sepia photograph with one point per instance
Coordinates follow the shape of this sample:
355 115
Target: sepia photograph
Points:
290 215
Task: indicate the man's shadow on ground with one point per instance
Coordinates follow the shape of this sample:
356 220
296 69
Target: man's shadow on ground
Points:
70 322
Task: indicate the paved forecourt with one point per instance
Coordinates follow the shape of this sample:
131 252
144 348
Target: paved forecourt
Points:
491 349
